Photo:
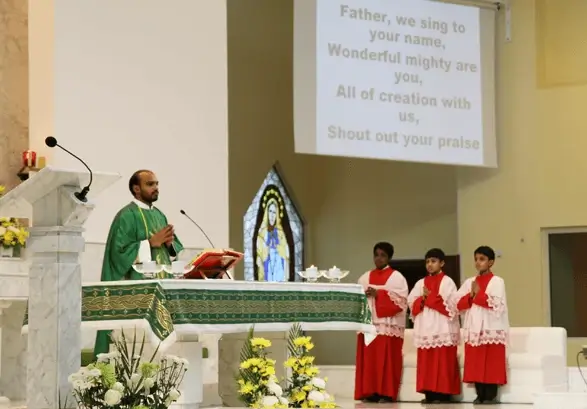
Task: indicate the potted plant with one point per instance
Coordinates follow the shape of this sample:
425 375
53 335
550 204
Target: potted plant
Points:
13 237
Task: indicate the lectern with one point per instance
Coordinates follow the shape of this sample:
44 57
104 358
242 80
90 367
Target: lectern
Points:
54 306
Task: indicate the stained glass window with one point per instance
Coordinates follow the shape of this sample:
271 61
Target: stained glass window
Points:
273 234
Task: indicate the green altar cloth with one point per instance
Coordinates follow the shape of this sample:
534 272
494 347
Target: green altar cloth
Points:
201 307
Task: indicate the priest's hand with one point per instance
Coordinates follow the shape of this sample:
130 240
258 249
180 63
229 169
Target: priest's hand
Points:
371 292
169 241
161 237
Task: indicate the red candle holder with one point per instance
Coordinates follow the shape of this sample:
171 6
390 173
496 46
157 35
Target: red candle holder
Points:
29 159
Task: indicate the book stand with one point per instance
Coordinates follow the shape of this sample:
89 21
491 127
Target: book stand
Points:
213 264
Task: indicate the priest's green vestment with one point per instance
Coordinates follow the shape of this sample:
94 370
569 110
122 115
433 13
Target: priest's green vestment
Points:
134 224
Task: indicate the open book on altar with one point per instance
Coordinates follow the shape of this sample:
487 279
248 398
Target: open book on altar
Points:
213 264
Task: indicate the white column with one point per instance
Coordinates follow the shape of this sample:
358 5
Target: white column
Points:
54 335
4 304
54 309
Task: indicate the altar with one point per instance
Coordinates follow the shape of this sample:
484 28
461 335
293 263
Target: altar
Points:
173 314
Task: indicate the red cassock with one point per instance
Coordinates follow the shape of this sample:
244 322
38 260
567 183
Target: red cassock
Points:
379 364
438 367
483 363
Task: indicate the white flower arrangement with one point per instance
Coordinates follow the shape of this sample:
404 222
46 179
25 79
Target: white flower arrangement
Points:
122 380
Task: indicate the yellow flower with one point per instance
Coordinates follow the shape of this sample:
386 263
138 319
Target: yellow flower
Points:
302 341
9 238
307 387
299 396
252 362
21 236
269 370
2 189
246 388
260 343
312 371
291 362
309 346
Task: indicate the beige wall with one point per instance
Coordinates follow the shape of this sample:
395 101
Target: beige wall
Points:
41 75
348 204
14 131
542 128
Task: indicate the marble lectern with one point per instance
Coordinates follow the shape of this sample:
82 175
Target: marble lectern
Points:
54 306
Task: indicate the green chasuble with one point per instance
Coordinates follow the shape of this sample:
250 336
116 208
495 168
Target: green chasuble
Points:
131 226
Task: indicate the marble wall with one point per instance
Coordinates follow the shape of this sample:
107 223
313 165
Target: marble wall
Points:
14 129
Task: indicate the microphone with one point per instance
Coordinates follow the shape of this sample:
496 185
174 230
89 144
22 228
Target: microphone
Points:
198 226
51 142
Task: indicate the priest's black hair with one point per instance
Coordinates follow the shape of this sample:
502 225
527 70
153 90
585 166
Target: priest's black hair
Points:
435 253
486 251
135 180
386 247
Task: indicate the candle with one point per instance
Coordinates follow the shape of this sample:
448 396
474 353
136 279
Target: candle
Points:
29 159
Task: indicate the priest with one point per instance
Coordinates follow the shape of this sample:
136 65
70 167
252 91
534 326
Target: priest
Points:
139 233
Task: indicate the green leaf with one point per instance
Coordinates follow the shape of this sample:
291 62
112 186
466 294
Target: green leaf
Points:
294 332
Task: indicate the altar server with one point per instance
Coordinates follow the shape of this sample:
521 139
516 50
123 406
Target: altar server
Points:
379 359
482 301
436 332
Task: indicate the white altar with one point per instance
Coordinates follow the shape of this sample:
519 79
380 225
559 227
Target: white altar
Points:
174 314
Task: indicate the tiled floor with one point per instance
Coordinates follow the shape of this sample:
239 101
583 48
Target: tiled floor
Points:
405 405
401 405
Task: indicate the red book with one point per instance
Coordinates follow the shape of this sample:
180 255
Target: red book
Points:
213 263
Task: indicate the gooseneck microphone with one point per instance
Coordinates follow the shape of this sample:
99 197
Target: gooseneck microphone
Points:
51 142
198 226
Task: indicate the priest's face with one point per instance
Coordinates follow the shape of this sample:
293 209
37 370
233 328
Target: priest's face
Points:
148 188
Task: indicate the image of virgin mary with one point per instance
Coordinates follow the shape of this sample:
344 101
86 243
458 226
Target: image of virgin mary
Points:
272 247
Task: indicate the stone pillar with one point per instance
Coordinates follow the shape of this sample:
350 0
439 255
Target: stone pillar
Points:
12 353
210 369
54 336
230 347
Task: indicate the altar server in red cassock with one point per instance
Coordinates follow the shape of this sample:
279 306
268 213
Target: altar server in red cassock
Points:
379 357
482 301
436 332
